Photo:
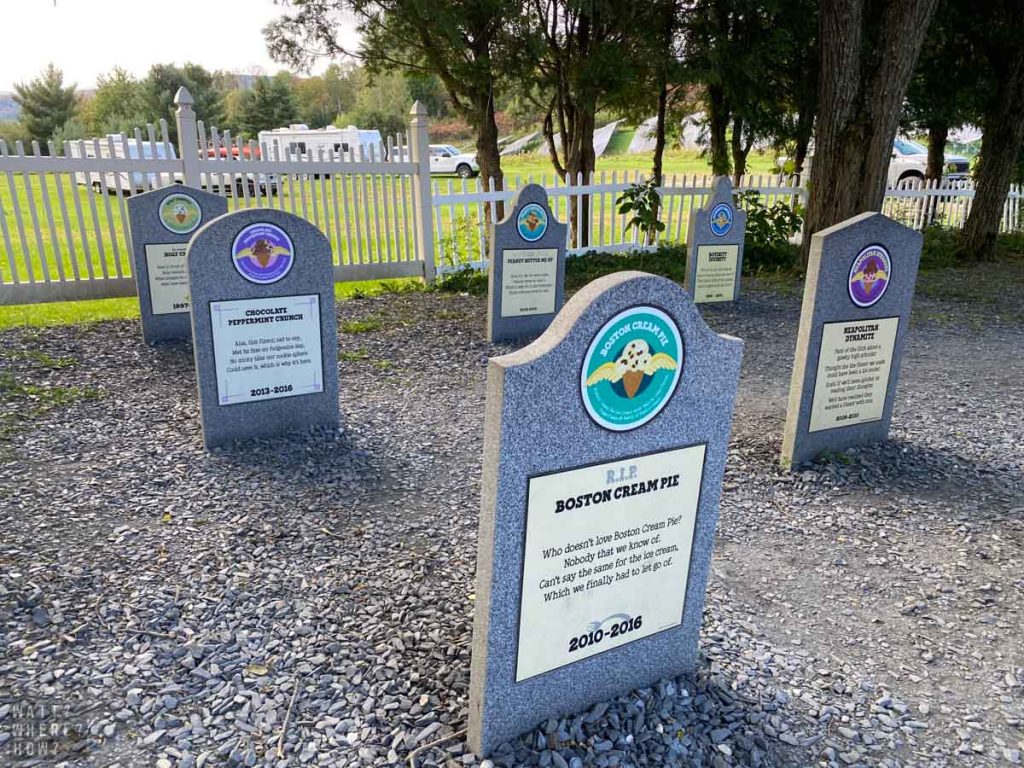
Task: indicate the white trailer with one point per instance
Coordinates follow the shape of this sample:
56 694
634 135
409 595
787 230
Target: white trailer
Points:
303 143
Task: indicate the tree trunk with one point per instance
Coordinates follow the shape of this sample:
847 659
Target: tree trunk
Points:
488 156
740 150
936 151
718 122
659 146
579 166
1001 143
861 96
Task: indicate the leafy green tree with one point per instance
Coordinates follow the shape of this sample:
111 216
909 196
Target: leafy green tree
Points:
1001 31
373 119
118 96
163 82
472 46
322 98
46 103
270 104
868 54
591 55
944 92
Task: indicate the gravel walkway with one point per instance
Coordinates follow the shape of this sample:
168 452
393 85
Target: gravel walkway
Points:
309 601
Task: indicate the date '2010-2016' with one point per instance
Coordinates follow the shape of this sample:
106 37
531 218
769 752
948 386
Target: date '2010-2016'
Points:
595 637
270 390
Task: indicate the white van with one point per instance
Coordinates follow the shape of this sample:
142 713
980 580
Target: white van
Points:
300 142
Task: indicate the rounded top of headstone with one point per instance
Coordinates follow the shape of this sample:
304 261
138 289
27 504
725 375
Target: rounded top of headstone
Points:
592 305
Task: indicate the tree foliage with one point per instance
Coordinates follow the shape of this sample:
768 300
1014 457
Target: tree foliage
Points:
117 100
46 104
269 104
162 83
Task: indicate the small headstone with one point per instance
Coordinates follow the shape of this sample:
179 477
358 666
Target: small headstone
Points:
161 223
263 325
853 325
714 252
604 448
526 281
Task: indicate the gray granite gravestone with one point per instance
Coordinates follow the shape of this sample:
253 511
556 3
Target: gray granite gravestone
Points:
714 250
263 325
853 326
604 448
526 280
161 223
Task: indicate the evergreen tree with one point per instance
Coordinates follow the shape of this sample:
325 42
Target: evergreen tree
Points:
270 104
46 104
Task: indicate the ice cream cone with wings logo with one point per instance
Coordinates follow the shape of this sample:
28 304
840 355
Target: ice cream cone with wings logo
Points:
262 252
634 364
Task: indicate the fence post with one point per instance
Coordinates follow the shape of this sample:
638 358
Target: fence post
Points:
419 144
188 138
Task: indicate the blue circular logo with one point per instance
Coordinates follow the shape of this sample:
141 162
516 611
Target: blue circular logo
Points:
721 219
263 253
632 368
532 222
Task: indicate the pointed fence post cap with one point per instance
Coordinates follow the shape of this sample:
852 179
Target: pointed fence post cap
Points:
418 110
183 98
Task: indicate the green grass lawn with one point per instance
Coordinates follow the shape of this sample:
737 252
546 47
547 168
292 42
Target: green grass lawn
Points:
95 311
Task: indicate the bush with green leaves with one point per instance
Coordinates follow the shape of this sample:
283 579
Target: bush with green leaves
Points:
644 202
769 229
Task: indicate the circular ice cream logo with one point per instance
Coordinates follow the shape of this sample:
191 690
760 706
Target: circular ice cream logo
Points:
870 275
632 368
532 222
263 253
179 213
721 219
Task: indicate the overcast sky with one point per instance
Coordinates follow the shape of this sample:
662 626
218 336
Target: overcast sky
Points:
86 38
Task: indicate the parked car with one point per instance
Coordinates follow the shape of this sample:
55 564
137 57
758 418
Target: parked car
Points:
909 163
910 160
446 159
118 146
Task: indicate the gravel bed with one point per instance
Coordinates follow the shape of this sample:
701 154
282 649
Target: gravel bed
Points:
309 601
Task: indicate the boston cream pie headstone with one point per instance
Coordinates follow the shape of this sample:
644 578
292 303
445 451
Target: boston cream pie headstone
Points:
161 223
263 325
714 252
853 327
526 280
604 448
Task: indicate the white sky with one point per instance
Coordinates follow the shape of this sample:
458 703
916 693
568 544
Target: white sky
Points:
86 38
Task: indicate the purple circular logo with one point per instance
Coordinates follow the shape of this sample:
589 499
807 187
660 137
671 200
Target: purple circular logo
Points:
263 253
869 275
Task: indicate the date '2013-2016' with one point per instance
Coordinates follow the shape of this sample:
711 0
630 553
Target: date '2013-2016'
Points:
270 390
595 637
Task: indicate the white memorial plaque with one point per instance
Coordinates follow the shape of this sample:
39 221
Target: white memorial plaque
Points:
607 556
528 281
168 277
267 348
853 372
715 278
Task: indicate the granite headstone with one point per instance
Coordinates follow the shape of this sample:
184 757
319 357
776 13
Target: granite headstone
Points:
161 223
263 325
604 449
714 250
853 326
526 280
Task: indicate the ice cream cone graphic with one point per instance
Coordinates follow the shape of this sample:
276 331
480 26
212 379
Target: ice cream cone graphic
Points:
631 381
634 364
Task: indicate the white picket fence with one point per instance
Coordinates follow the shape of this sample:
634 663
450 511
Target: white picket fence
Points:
461 207
64 227
64 230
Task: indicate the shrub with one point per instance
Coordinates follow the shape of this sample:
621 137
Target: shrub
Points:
769 228
643 201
